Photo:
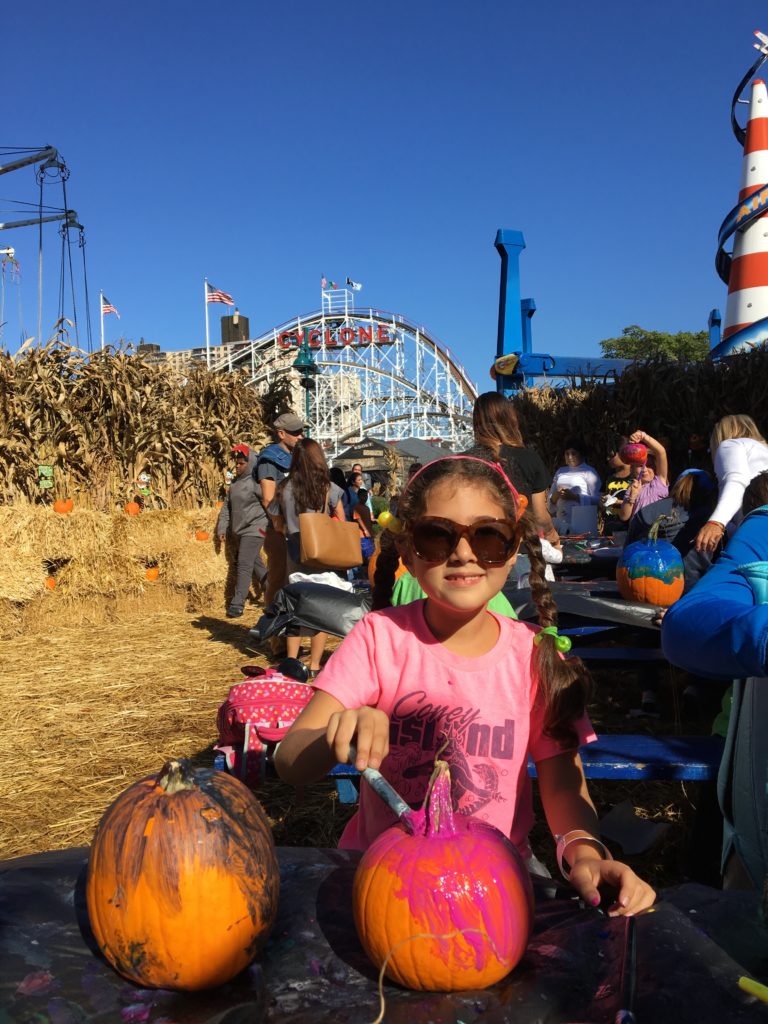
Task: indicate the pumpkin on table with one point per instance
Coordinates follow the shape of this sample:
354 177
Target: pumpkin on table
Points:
183 879
447 907
651 571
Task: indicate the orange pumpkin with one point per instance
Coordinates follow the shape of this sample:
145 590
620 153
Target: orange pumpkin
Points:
63 506
183 880
132 508
202 535
50 582
219 504
446 905
152 572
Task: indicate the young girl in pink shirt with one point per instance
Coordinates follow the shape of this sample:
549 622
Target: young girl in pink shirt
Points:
446 674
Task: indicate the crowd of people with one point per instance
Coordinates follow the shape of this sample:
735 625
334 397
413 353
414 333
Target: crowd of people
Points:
441 666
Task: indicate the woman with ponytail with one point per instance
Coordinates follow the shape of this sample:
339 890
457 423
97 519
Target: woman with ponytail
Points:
446 674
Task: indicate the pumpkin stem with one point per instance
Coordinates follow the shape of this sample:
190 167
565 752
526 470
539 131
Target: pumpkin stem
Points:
653 533
175 776
438 808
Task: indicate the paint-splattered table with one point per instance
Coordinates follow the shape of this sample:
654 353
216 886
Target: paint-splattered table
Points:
313 969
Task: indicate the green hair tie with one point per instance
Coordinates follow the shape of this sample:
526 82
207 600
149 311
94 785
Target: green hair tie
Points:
562 643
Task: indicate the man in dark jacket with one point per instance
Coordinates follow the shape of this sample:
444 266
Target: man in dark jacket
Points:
271 467
243 517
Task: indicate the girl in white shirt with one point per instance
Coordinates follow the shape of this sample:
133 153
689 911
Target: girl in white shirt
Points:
739 452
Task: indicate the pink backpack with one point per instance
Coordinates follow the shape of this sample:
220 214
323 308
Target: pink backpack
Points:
254 718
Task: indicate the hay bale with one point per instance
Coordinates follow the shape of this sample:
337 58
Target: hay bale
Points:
38 530
154 599
108 573
11 618
54 609
155 533
22 576
100 560
205 599
197 563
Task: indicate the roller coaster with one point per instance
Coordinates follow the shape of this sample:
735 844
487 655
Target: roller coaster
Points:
381 374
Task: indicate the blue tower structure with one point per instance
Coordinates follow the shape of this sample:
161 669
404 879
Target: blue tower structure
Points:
516 364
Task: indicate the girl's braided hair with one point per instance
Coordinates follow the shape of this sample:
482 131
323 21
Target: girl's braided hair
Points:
565 684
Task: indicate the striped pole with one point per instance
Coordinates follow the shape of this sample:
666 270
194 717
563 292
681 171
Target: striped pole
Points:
748 280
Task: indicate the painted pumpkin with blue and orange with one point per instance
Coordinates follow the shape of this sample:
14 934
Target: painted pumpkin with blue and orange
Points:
651 570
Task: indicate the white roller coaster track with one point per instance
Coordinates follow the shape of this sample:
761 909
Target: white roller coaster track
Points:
401 383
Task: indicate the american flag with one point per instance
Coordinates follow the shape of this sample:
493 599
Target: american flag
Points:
215 295
107 307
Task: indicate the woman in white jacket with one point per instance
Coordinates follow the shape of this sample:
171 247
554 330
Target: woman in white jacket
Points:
739 452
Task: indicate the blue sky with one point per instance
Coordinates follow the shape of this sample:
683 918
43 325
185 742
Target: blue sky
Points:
262 145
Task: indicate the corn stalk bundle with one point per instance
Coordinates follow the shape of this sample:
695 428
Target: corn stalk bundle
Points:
669 400
101 420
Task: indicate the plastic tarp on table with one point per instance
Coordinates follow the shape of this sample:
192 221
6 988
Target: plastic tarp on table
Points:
314 969
589 600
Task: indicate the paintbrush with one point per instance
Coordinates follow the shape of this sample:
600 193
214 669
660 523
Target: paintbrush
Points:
626 1015
754 988
384 790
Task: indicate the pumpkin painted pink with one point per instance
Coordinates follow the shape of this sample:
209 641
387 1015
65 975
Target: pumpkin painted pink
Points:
447 906
633 454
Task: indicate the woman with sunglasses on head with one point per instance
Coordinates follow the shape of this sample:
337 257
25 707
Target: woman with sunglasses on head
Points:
446 674
498 436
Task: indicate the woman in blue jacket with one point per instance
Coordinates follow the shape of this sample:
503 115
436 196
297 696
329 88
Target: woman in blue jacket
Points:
720 629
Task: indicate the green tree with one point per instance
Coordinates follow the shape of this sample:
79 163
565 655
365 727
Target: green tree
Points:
637 343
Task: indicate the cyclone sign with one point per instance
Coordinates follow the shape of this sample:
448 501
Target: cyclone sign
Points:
360 334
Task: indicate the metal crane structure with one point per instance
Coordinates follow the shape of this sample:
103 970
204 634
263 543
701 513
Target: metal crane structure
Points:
380 374
51 168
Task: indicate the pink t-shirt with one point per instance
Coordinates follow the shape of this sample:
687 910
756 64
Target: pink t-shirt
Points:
486 707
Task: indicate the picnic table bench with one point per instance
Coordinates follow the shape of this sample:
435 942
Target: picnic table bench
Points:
612 757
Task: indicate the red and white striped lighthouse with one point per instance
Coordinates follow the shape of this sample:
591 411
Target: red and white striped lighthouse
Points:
748 279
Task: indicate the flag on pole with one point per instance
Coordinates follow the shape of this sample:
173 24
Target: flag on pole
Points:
354 285
107 307
216 295
323 281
